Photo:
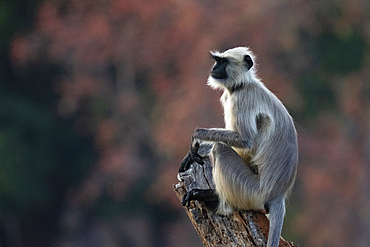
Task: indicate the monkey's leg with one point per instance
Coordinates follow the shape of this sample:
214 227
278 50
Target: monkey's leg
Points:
207 196
229 137
236 183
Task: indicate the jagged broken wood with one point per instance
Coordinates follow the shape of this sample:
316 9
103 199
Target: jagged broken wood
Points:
247 228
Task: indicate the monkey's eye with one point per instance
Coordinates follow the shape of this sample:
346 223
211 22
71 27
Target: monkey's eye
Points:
220 60
225 60
216 58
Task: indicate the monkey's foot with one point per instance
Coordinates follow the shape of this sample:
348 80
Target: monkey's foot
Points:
200 195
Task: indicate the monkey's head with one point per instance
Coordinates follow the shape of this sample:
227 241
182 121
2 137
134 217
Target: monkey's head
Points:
232 68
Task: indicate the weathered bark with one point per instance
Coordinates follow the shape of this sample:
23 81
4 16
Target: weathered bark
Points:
247 228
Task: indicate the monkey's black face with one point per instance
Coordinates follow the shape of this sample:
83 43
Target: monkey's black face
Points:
219 69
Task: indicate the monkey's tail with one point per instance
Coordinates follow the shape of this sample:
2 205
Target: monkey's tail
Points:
276 217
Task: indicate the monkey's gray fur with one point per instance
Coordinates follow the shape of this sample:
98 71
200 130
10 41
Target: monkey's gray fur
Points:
255 156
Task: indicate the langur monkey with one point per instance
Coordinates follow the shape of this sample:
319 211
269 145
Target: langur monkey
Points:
255 156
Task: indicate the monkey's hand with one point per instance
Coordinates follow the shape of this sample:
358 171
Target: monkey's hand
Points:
194 153
191 157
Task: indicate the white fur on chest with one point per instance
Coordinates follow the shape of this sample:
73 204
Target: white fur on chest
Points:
228 111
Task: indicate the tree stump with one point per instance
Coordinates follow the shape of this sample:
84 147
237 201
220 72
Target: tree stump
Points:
248 228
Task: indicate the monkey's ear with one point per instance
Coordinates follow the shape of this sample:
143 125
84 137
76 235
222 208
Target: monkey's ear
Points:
249 61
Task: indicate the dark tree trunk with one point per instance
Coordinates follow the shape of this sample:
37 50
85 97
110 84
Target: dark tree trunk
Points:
247 228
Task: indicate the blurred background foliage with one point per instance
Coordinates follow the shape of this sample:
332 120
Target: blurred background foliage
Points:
98 100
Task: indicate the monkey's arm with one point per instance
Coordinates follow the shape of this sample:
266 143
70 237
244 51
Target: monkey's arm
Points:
229 137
